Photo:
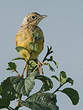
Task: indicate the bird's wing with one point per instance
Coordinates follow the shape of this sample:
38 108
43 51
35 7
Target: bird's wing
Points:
37 38
37 34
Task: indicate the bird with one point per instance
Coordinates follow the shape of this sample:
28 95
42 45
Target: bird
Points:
30 37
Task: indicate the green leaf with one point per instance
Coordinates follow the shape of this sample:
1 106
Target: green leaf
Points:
55 78
56 63
23 86
29 82
4 103
0 89
72 94
11 66
51 68
18 58
41 101
8 91
18 85
47 83
70 80
32 64
63 77
19 48
50 59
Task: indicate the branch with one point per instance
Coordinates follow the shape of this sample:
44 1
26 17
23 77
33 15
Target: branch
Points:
10 108
59 88
16 72
17 107
48 53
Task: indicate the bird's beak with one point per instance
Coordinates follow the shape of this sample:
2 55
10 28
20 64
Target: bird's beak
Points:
43 16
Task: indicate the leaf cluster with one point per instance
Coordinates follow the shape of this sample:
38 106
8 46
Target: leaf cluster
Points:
15 87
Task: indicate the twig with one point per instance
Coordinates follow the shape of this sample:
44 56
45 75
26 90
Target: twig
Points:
24 69
17 107
59 87
36 67
18 104
45 57
10 108
48 53
17 72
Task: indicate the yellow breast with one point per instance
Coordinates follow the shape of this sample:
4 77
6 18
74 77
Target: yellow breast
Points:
24 37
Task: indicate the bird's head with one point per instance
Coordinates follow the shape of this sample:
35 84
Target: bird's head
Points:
33 19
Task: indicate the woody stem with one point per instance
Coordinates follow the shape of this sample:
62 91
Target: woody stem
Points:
24 69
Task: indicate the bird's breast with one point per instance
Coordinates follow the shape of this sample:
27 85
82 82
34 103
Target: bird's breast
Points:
24 37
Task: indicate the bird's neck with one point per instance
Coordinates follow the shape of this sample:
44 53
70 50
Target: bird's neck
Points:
29 27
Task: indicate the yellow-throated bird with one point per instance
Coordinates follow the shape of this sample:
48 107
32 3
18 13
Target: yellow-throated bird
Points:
30 37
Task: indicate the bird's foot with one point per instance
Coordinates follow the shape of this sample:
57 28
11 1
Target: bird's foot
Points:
40 64
40 67
21 75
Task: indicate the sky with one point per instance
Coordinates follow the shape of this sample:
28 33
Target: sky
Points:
63 30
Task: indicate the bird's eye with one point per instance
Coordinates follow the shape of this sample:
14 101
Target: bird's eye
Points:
33 17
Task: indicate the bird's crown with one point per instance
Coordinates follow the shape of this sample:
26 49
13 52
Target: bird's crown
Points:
33 18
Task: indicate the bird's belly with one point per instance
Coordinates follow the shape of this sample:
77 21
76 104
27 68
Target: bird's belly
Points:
23 39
